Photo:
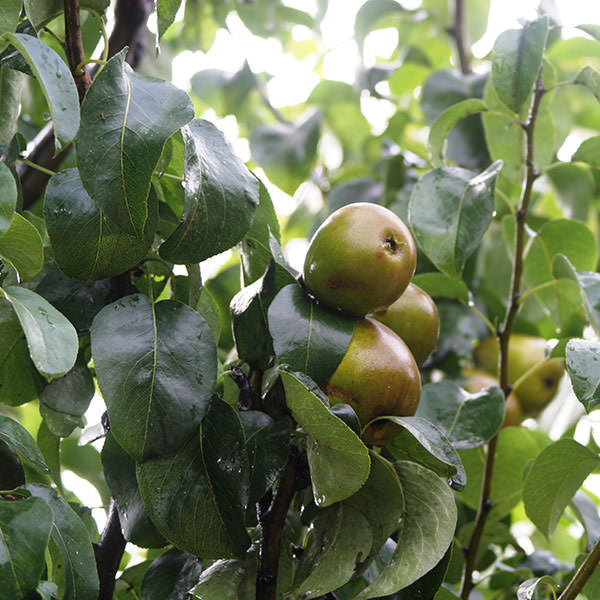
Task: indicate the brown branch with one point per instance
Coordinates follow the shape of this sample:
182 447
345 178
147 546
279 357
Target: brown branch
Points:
271 515
575 586
503 334
459 33
109 551
74 48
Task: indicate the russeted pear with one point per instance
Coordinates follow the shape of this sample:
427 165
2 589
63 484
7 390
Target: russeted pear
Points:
535 378
414 317
360 259
477 380
378 376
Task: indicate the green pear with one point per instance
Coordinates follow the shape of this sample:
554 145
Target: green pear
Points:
414 317
477 380
360 259
378 376
538 386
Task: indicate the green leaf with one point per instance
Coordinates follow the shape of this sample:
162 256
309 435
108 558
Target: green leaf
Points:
435 444
438 285
119 471
593 30
166 11
427 529
40 13
529 587
446 121
590 78
307 336
156 368
221 197
170 575
196 497
586 512
227 579
338 539
287 151
516 61
20 440
9 15
22 247
373 12
339 462
477 18
56 82
11 86
588 151
450 209
24 534
126 119
583 358
51 339
71 536
8 194
468 420
86 244
13 473
381 502
63 401
555 476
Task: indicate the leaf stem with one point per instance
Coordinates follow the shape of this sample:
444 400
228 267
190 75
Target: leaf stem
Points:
535 290
36 167
503 334
477 312
98 17
575 586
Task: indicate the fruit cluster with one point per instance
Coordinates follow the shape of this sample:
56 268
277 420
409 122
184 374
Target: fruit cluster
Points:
360 261
534 377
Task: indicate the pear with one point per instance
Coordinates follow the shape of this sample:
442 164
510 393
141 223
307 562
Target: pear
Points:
360 259
378 376
478 380
414 317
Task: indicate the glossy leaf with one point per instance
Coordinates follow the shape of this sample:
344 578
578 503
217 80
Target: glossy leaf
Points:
171 576
9 15
156 368
166 11
21 246
196 497
8 195
583 366
339 462
20 440
119 471
51 339
85 242
553 479
64 401
516 60
528 588
73 541
338 539
307 336
438 285
227 579
11 87
450 209
56 82
126 119
446 121
287 151
24 533
428 527
468 420
430 440
40 13
588 151
221 196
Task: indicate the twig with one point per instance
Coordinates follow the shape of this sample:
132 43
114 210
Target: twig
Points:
503 334
109 551
459 34
575 586
271 515
74 47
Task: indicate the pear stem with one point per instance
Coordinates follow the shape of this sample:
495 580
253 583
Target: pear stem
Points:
503 334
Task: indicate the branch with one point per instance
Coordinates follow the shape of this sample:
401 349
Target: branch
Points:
503 334
109 551
575 586
271 515
74 48
459 34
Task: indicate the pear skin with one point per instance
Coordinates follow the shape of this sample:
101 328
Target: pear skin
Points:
538 386
360 259
378 376
414 317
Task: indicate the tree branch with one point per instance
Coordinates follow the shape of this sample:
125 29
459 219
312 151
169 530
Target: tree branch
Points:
503 335
109 551
74 47
575 586
459 33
